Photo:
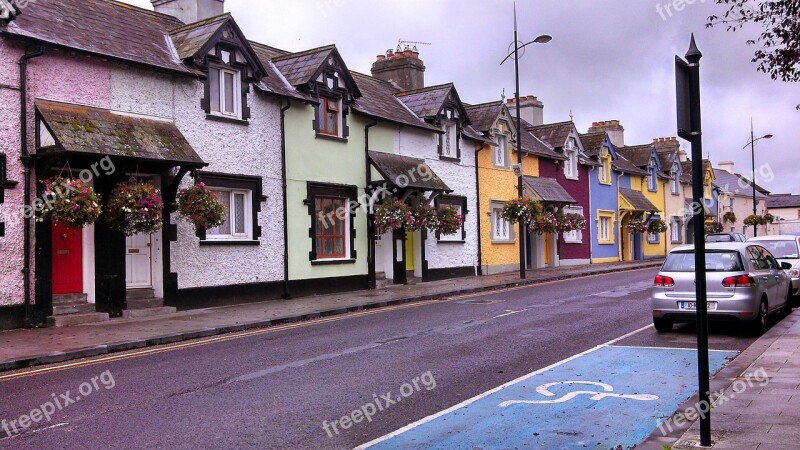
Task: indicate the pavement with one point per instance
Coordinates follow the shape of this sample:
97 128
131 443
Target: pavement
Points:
756 399
30 347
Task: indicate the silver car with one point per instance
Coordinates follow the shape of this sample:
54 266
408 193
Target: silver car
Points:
786 249
745 283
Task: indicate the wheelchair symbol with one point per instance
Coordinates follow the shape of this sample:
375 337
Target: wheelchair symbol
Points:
608 392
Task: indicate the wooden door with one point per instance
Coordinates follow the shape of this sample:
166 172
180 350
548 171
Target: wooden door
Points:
67 259
138 267
409 250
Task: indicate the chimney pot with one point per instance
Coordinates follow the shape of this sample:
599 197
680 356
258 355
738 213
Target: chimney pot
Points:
381 57
190 11
402 67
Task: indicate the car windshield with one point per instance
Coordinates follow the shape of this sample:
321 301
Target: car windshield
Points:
720 238
782 249
716 261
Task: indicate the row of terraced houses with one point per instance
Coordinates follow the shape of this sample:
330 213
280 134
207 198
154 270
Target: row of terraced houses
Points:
180 95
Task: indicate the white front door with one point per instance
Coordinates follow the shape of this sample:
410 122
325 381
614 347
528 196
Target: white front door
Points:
138 268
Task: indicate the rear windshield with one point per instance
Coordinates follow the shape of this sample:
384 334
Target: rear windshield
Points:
716 261
781 249
720 238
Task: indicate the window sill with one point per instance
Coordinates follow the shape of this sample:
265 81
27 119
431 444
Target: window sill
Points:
225 119
331 138
449 159
504 242
571 178
604 183
607 243
328 262
228 243
573 242
445 241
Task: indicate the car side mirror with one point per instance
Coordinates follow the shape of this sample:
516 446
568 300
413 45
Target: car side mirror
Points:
786 266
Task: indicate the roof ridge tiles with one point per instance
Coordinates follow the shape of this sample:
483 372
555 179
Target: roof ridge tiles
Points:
305 52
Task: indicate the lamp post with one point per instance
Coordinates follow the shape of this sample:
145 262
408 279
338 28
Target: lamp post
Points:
752 145
543 39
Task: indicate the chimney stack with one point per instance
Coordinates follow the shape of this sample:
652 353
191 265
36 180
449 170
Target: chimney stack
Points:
530 109
682 155
666 144
190 11
615 130
727 166
402 68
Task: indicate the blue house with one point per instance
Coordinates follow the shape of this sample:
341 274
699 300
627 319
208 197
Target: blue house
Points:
603 194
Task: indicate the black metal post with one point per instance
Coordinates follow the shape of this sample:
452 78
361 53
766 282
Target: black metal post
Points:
693 57
522 268
753 155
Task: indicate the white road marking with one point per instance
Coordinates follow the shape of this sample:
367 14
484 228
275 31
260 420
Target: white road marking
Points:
544 390
510 312
666 348
492 391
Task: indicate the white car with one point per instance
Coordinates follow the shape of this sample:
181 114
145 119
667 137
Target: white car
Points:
786 249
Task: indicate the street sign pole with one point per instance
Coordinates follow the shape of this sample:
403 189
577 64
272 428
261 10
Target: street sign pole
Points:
690 128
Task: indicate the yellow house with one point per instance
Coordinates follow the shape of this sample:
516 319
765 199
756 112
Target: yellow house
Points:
497 183
710 195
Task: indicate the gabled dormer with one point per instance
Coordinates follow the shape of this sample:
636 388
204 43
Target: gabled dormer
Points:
441 106
675 174
653 169
564 138
322 73
217 47
497 124
598 147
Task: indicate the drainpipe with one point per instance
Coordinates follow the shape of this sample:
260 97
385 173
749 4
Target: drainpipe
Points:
286 294
371 282
618 227
30 53
478 207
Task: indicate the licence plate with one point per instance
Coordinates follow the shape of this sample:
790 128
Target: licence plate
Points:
692 306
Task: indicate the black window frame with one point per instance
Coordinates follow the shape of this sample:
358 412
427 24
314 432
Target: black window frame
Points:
214 60
350 192
241 182
335 93
453 200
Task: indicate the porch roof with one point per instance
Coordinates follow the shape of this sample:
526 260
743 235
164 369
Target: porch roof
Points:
637 201
392 167
82 129
548 190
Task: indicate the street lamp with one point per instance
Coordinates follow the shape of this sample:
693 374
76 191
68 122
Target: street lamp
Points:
752 145
543 39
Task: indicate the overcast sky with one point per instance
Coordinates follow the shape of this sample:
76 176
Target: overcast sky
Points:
609 59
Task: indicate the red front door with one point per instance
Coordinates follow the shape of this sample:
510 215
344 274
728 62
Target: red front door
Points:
67 260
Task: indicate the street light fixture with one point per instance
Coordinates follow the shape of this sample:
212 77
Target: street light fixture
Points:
543 39
752 145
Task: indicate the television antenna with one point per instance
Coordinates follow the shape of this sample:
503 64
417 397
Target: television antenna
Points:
410 45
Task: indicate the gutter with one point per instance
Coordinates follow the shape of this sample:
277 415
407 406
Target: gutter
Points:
285 294
371 276
26 161
478 208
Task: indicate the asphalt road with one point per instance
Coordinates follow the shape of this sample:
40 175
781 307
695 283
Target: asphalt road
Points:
274 388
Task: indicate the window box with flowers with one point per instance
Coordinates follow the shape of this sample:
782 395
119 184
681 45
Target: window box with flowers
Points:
135 208
69 201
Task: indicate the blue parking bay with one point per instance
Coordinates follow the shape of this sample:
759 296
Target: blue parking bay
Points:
608 397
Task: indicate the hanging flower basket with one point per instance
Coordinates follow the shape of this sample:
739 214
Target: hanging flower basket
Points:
544 224
768 218
450 221
135 208
392 216
656 226
200 206
523 210
70 202
636 226
754 220
423 216
713 227
729 217
570 222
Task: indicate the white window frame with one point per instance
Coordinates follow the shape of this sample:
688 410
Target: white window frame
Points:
237 92
571 165
676 184
506 237
458 236
652 179
605 234
676 226
248 216
501 151
605 168
450 140
653 238
573 237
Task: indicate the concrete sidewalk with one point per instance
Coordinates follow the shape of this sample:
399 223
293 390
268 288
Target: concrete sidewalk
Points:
760 404
29 347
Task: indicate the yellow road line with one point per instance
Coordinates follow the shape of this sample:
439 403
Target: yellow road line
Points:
271 329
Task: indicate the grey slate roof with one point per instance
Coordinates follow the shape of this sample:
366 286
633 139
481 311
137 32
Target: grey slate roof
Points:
298 68
593 142
378 100
637 200
548 190
189 39
96 131
735 184
484 116
623 165
638 155
274 81
102 27
783 201
392 167
535 146
554 134
426 102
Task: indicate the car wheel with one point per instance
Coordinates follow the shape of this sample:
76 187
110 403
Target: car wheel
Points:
787 308
662 325
761 324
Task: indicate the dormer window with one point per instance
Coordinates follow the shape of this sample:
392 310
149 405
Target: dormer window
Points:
225 87
330 116
605 169
652 184
501 151
571 165
676 182
449 140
